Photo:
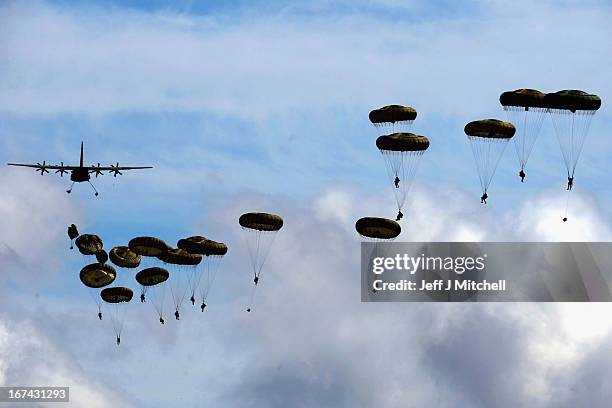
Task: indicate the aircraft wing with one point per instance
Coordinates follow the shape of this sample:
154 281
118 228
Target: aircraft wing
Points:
46 166
111 168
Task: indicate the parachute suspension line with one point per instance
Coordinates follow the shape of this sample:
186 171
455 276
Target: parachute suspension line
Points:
158 299
95 295
487 155
572 135
531 120
404 166
212 265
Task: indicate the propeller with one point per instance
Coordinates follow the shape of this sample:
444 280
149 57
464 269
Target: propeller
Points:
61 170
97 171
42 168
115 170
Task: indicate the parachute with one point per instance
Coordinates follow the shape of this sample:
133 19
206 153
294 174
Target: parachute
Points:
148 246
124 257
526 109
572 112
116 297
392 118
260 229
96 276
488 139
89 244
152 284
182 265
402 153
101 256
73 233
213 252
377 229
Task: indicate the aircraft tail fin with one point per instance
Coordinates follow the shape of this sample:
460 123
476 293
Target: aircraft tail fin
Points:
81 154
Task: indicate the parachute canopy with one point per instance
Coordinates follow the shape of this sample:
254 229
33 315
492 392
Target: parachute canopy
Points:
377 228
97 275
392 114
89 244
152 276
179 257
203 246
261 221
73 232
490 128
117 294
524 98
148 246
101 256
572 100
402 142
124 257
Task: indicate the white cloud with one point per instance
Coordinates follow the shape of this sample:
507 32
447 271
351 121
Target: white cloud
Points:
98 61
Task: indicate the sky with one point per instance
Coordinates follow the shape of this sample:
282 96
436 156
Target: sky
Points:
262 106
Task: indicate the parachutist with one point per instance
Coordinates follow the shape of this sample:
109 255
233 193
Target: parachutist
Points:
118 340
176 314
522 175
256 280
100 315
192 300
570 183
396 182
564 219
161 320
483 199
249 309
203 306
142 298
400 215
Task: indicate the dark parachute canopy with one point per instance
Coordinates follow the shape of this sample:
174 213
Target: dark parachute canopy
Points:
260 231
124 257
89 244
378 228
73 232
117 294
148 246
152 276
387 118
97 275
201 245
179 257
572 112
526 109
101 256
262 222
488 139
402 153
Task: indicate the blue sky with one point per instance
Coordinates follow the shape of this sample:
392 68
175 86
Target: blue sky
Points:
263 106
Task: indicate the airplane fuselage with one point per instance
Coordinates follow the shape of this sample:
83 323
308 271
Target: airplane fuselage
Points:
80 175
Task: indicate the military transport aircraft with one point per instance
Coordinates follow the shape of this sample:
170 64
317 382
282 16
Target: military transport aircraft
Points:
80 173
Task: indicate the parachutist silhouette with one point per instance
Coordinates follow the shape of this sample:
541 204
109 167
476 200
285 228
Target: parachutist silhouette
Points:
192 300
400 215
100 315
396 182
249 309
118 340
202 306
161 320
564 219
570 183
256 280
142 298
176 314
483 199
522 175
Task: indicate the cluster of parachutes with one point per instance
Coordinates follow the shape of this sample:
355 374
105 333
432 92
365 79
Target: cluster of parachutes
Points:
571 112
187 271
